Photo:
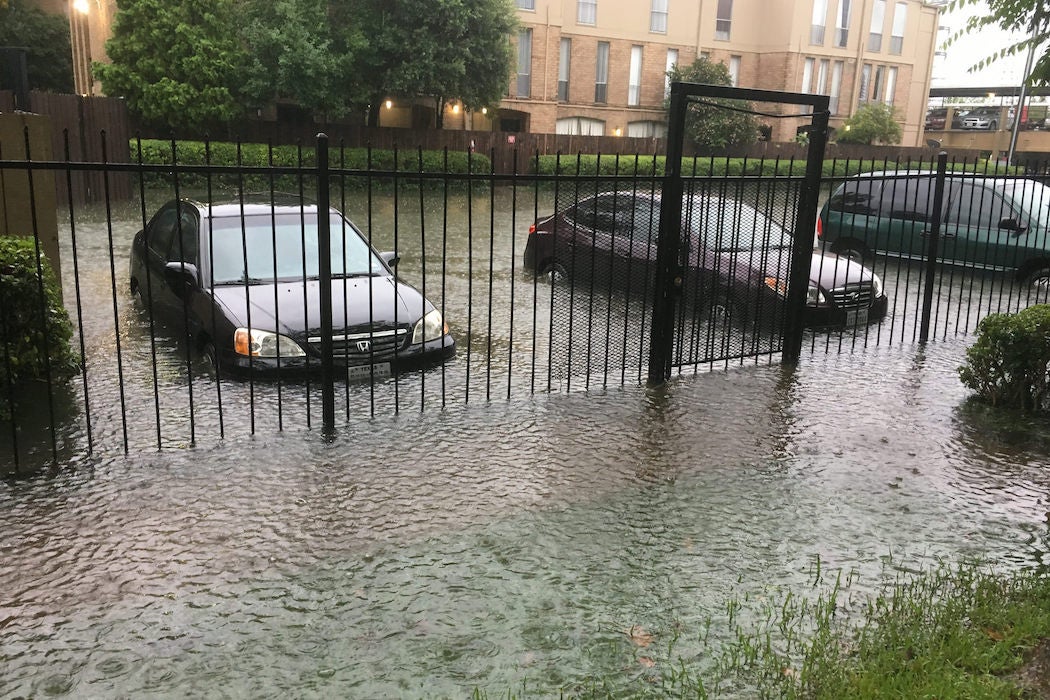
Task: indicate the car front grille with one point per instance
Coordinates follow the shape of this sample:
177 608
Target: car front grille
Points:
364 347
853 296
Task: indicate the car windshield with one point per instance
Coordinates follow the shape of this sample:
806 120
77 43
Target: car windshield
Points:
285 247
1032 197
728 225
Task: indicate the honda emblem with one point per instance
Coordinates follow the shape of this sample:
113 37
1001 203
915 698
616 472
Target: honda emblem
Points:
364 345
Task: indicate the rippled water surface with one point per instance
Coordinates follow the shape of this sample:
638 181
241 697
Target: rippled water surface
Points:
425 554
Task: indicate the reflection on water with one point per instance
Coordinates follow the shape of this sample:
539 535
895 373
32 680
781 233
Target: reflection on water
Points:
424 554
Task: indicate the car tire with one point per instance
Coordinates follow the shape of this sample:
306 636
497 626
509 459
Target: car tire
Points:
851 249
993 126
1038 280
553 271
208 359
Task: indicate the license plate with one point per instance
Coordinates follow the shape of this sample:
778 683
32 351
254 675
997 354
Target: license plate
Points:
380 370
856 317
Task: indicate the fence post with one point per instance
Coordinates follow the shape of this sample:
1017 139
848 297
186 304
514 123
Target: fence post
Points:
668 284
802 245
934 233
324 244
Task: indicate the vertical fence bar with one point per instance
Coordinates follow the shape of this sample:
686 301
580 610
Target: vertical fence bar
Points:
324 244
931 249
668 275
802 247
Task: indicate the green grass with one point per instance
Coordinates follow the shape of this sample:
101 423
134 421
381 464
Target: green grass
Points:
951 632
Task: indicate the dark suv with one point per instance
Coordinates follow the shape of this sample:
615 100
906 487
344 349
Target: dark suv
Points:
987 223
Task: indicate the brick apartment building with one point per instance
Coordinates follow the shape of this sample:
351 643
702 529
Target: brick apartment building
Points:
599 66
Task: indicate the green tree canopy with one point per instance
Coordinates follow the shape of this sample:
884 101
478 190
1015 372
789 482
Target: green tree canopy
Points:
176 63
1030 18
443 49
871 123
290 54
716 122
46 40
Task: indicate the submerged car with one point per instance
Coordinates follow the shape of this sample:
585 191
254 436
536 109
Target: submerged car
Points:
244 279
737 258
999 224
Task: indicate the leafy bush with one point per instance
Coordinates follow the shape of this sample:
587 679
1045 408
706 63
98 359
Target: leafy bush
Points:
36 332
1008 365
357 161
871 123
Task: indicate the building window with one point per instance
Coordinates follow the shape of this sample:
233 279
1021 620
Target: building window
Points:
819 22
564 55
526 4
900 21
672 61
646 130
891 84
836 86
524 87
587 11
822 77
878 84
878 19
580 126
601 73
734 70
865 83
634 84
807 81
658 17
724 19
842 24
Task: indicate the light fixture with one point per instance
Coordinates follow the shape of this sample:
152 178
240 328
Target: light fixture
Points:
618 131
389 104
484 110
81 6
455 109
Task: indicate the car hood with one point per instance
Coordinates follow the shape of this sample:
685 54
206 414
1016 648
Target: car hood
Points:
297 306
830 271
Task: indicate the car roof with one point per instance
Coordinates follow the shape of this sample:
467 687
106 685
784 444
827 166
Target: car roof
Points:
253 205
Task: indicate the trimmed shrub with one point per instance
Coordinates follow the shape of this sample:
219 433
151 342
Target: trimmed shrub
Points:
1008 365
35 332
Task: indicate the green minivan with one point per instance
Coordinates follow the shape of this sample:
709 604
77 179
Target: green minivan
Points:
1000 223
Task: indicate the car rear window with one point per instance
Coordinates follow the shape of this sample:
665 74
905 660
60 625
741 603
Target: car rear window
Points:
857 197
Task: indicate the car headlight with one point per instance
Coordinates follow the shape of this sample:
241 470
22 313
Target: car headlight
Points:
814 296
256 343
877 284
430 327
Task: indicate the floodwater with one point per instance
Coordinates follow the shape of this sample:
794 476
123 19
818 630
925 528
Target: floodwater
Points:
485 543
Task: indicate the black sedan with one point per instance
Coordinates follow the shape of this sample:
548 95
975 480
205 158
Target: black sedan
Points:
737 258
244 279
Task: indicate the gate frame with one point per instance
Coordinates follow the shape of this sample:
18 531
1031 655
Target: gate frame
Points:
669 270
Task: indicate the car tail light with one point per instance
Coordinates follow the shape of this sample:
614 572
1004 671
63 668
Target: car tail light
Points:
532 229
820 228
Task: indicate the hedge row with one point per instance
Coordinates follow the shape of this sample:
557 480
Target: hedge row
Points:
35 333
1009 365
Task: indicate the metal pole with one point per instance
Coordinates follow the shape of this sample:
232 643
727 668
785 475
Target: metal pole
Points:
934 233
668 283
1021 100
324 244
802 246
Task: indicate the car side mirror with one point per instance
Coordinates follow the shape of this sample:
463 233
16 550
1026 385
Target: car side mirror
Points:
390 258
180 276
1013 225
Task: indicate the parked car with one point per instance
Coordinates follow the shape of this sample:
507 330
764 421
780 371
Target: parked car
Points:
937 118
988 118
988 223
737 259
244 280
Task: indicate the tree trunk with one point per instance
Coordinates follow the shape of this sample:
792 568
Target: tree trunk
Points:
439 112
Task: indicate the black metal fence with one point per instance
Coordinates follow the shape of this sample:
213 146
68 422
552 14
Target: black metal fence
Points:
545 279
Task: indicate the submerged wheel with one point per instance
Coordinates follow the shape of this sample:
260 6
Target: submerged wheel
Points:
207 358
1038 281
553 271
852 250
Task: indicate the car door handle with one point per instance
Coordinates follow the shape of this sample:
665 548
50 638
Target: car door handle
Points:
926 233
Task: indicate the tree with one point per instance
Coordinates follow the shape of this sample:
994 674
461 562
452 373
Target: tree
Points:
442 49
175 62
871 123
716 122
1030 18
290 55
49 58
